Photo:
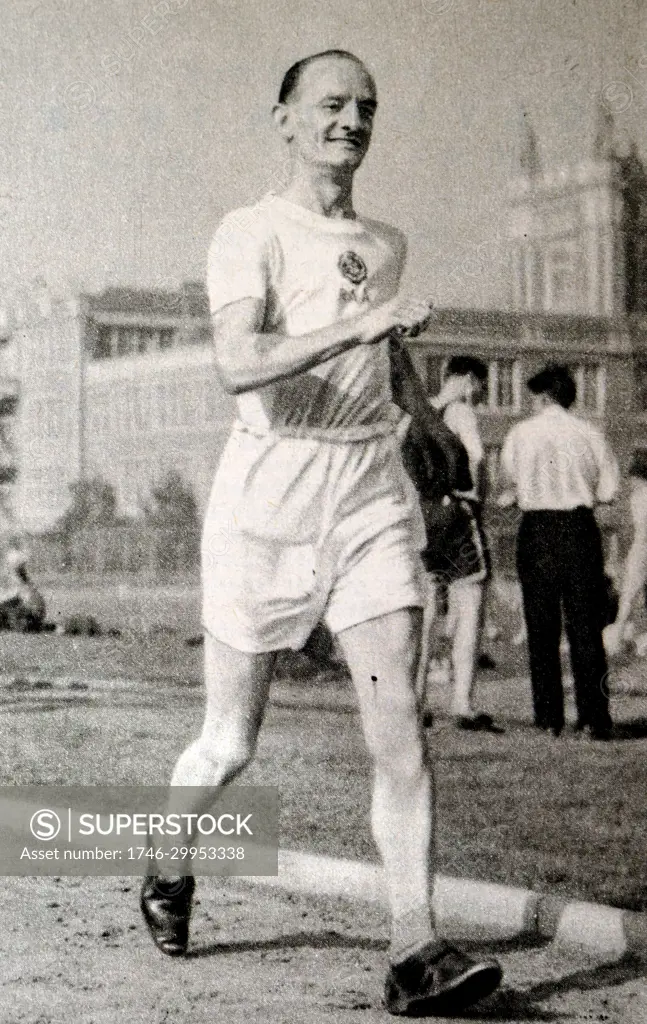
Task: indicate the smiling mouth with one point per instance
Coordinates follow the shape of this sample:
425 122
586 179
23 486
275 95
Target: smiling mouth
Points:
353 143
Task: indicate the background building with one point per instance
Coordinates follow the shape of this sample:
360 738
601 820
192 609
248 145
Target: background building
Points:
119 386
578 264
122 385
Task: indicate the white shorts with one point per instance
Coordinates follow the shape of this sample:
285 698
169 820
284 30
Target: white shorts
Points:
301 530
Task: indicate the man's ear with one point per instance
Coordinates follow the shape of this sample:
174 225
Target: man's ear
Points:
282 116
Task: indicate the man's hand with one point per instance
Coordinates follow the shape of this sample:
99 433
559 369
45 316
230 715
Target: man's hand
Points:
403 316
507 498
412 316
613 638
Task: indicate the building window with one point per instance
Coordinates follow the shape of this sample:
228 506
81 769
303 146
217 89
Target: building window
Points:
563 270
504 385
126 341
197 335
51 416
103 342
560 280
174 403
146 340
590 379
166 338
134 420
640 384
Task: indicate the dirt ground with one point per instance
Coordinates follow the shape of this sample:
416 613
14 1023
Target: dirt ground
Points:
74 951
564 817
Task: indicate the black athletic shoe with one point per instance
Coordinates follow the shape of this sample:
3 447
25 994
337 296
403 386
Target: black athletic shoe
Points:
438 980
486 661
602 733
556 729
166 906
478 723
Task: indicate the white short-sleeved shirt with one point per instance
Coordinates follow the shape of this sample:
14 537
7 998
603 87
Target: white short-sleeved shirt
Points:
558 461
311 271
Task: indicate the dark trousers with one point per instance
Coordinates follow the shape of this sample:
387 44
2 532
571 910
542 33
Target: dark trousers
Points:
560 567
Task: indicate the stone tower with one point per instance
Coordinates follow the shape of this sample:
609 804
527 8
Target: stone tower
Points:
634 229
570 229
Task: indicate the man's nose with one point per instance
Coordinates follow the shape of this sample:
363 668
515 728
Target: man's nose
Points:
352 118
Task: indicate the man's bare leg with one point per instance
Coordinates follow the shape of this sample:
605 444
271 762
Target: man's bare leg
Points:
237 686
426 643
466 616
383 656
426 975
237 690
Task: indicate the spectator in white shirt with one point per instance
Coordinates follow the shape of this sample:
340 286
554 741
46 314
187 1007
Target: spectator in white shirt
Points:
559 466
635 570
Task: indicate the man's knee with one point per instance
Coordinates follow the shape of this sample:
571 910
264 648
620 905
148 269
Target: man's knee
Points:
227 746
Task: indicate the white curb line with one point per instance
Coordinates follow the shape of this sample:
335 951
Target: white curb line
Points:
478 910
475 909
591 926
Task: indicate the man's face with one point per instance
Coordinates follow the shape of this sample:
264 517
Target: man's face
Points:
476 389
329 120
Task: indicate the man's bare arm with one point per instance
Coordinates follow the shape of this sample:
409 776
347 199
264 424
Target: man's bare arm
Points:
635 574
249 358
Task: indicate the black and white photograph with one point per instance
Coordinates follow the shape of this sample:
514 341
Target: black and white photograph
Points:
323 511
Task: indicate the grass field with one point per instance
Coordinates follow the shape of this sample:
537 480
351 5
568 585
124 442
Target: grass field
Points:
566 816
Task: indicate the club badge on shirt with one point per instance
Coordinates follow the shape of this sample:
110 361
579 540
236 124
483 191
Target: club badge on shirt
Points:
353 269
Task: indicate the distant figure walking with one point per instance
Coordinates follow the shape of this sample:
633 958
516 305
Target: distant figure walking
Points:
459 559
635 570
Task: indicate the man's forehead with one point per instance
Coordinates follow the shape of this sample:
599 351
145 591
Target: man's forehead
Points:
333 76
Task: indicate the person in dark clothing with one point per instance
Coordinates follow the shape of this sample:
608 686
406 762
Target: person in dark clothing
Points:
559 466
